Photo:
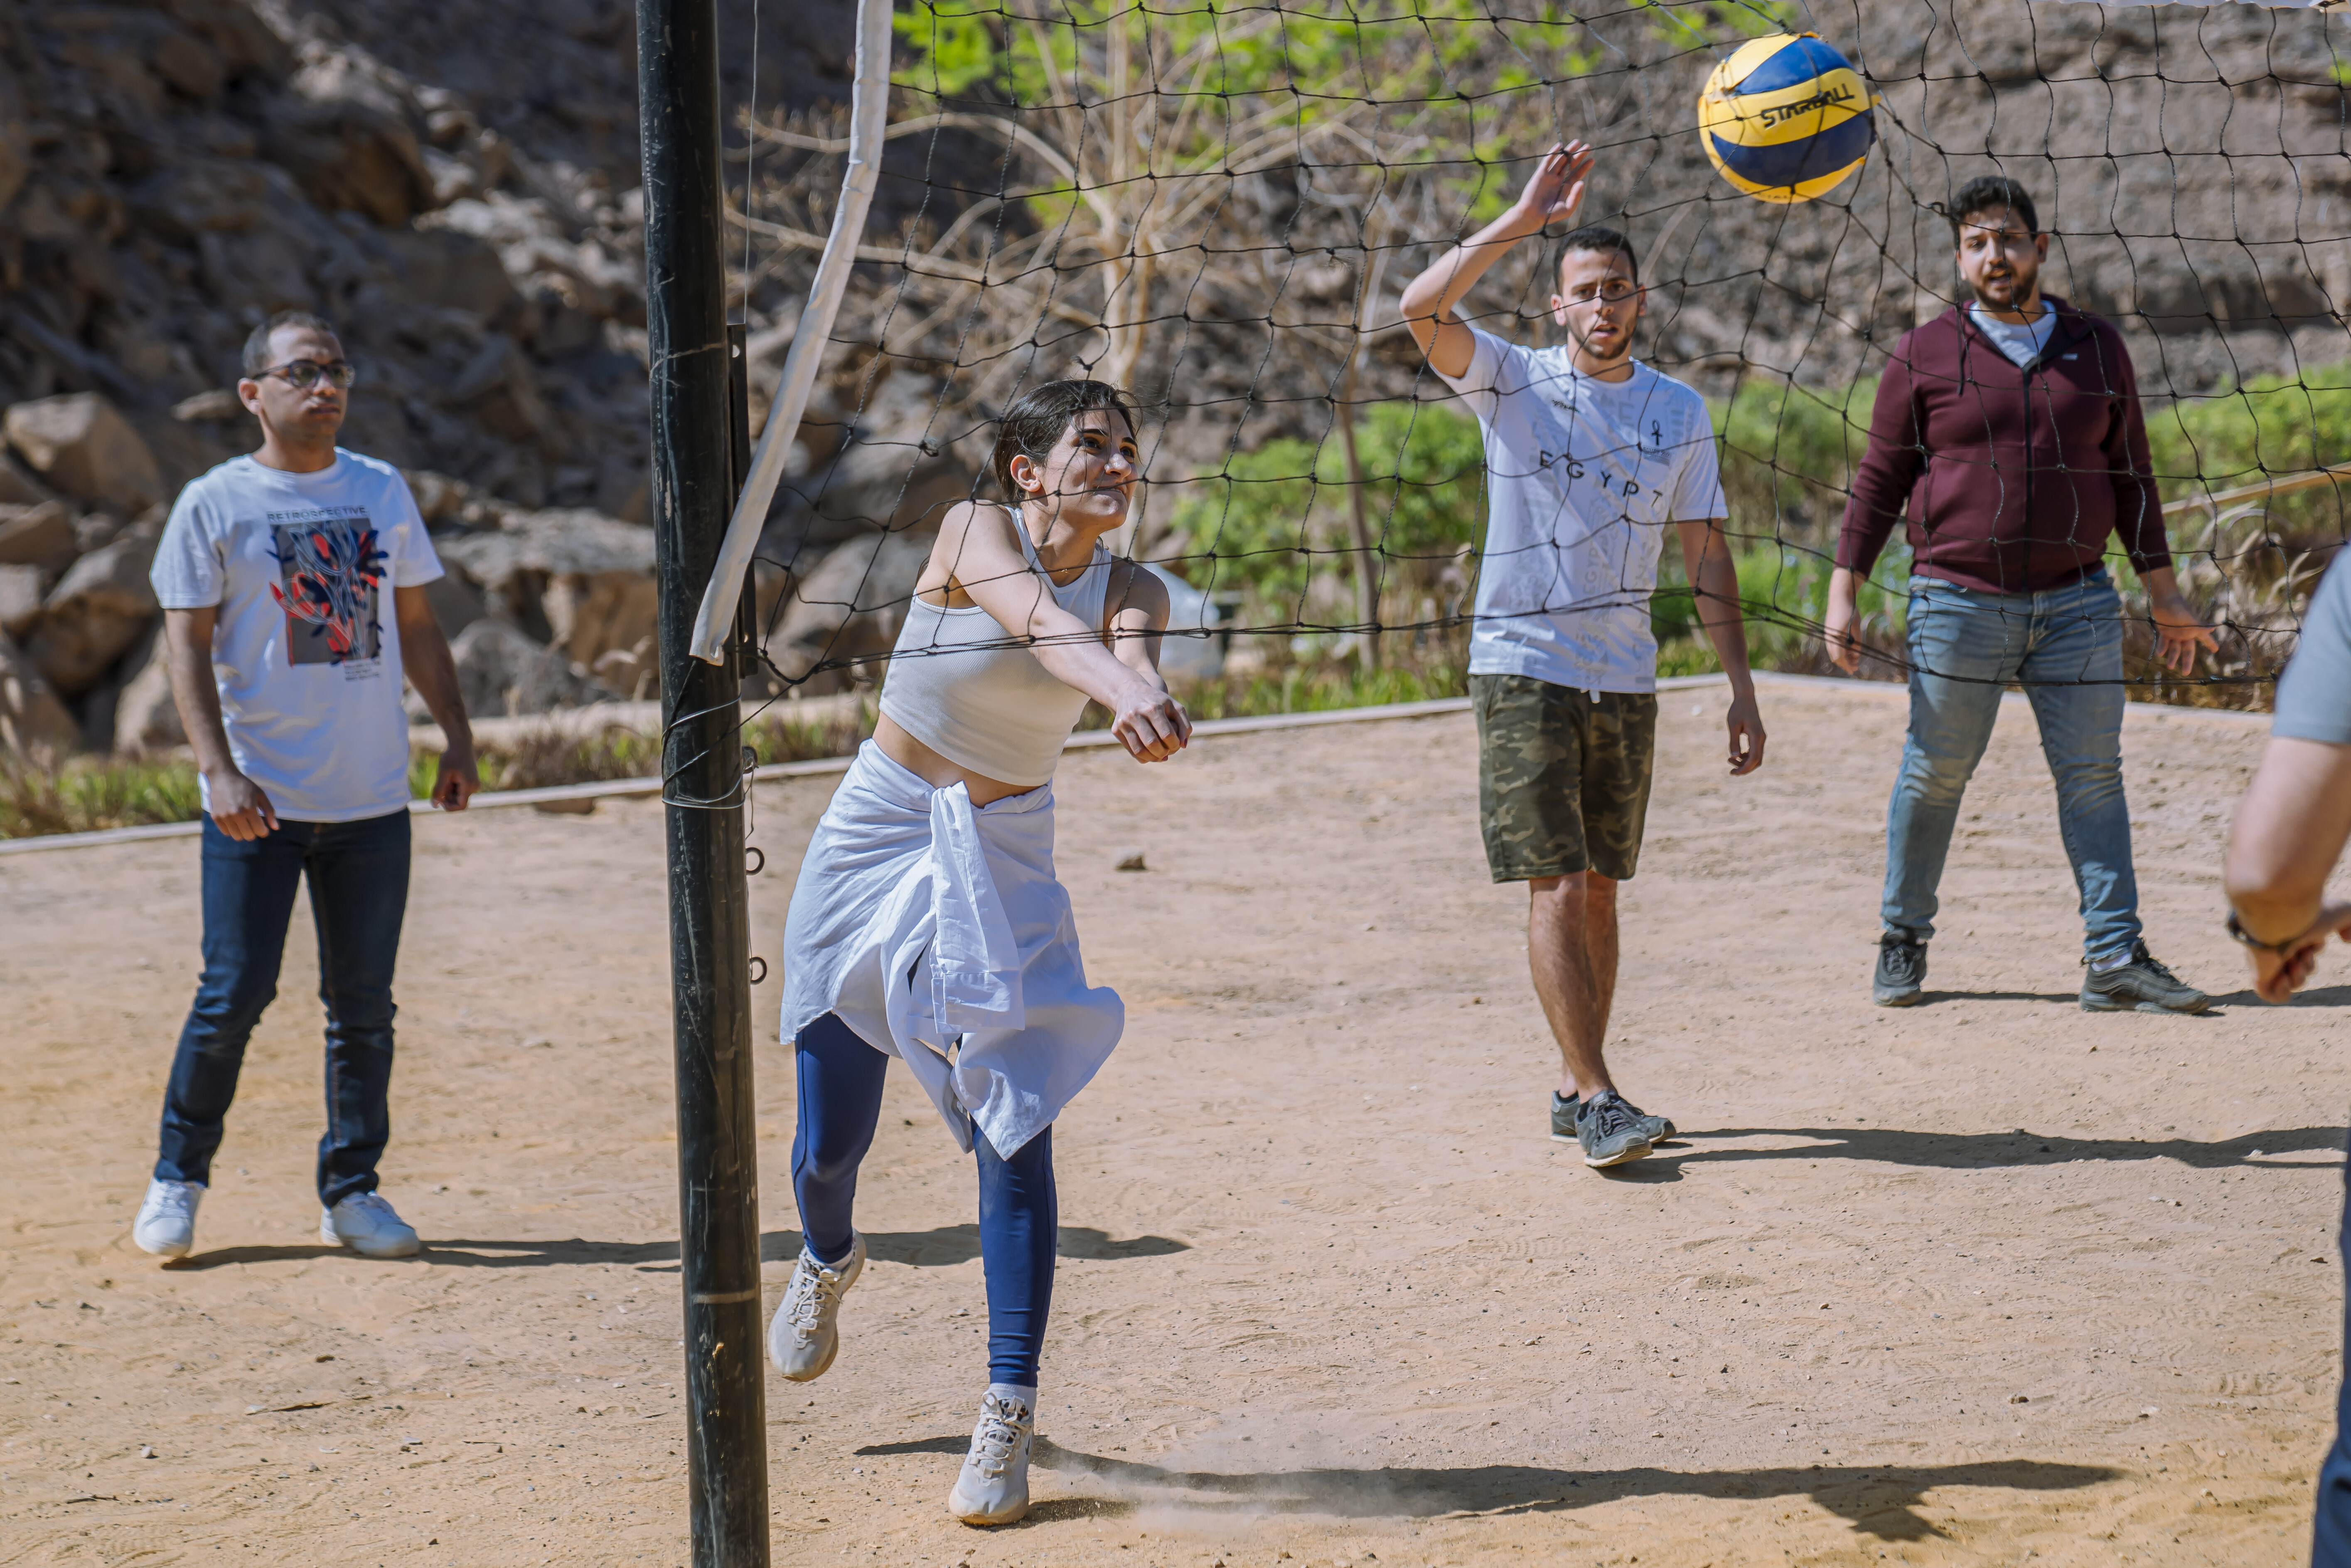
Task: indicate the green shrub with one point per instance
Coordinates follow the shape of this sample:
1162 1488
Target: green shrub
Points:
1274 518
1788 456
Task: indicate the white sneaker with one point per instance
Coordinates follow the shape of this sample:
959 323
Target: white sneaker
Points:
805 1334
166 1225
994 1486
366 1224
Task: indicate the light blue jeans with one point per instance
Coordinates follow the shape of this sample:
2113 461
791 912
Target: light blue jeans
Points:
1965 647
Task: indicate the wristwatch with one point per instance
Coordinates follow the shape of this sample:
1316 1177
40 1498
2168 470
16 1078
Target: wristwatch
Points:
2237 930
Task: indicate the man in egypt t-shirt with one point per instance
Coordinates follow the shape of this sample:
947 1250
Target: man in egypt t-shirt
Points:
1589 456
1582 475
292 587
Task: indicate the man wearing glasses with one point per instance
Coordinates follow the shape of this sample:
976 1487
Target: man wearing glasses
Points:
1589 456
292 583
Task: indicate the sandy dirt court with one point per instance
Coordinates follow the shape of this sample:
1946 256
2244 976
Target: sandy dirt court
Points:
1987 1281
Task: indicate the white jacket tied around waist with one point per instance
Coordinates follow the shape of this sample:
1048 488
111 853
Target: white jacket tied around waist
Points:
938 932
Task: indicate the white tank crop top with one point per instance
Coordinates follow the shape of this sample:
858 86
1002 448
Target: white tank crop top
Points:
961 685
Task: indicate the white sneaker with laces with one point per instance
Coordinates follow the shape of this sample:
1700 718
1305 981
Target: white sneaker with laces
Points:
805 1334
166 1225
994 1486
369 1226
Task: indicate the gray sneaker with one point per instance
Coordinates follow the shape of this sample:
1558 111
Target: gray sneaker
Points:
1901 975
993 1486
1610 1131
1657 1129
805 1334
2140 986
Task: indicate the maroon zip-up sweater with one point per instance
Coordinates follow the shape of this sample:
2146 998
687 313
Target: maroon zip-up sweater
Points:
2012 476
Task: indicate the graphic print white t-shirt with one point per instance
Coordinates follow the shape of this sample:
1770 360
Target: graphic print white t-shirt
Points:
1581 478
307 648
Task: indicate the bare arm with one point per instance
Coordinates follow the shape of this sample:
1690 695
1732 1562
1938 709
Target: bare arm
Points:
2290 832
1554 194
237 804
425 659
987 564
1714 578
1139 611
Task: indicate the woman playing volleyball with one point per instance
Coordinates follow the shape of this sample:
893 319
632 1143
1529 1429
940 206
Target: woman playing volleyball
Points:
927 924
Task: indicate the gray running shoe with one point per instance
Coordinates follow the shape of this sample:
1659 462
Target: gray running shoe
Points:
1657 1129
2140 986
1901 975
1610 1131
805 1334
993 1486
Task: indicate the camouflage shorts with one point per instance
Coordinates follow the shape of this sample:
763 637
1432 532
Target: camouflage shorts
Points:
1563 780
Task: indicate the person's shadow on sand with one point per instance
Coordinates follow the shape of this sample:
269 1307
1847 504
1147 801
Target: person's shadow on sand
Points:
2320 997
1974 1151
1878 1500
940 1249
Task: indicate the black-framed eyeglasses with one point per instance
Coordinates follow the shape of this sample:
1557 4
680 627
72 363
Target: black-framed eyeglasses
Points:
1610 291
305 373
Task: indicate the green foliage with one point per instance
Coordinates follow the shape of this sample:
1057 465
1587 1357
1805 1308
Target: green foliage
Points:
1218 80
1788 455
1784 593
1319 687
86 794
1720 26
2269 427
1271 518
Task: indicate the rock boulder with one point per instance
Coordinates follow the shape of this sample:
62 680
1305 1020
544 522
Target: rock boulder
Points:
41 536
146 719
503 673
850 608
103 606
81 445
583 581
20 599
32 719
18 487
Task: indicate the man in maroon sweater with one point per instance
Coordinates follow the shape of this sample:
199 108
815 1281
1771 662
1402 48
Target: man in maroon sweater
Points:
2009 433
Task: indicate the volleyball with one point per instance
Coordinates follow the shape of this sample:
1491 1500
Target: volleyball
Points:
1786 119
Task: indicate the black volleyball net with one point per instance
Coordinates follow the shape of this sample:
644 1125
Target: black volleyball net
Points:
1216 207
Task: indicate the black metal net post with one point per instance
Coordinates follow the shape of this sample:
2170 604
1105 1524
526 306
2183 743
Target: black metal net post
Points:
693 492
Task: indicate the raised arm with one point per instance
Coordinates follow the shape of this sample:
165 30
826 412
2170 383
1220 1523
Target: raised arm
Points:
1553 196
987 563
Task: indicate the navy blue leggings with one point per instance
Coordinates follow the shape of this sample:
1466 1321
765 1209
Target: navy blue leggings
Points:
839 1105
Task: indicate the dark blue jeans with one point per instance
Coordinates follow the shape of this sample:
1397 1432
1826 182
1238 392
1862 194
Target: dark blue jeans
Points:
358 873
840 1083
2331 1544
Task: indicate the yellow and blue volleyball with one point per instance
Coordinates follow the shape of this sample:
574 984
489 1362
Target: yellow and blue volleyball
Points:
1785 118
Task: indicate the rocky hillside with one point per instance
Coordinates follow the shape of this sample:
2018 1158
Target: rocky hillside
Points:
462 200
457 186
